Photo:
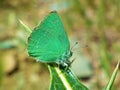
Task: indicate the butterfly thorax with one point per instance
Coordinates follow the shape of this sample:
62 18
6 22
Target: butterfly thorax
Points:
63 61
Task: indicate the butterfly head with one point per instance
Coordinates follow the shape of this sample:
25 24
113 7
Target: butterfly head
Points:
66 56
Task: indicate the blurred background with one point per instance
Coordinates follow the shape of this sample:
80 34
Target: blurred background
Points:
93 23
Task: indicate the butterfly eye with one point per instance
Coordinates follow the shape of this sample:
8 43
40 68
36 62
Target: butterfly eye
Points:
69 54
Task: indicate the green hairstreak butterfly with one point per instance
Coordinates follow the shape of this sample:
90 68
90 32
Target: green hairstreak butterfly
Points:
49 43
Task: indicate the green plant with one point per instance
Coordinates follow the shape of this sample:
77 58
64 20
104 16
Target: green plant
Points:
62 79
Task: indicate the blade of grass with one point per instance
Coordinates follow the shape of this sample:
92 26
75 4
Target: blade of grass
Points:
112 79
101 23
25 26
1 71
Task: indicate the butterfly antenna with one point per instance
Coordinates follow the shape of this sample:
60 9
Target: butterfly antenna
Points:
73 60
74 46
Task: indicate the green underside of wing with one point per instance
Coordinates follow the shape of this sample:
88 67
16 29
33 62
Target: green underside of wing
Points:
48 41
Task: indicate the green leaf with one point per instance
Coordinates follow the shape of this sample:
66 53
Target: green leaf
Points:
112 79
64 80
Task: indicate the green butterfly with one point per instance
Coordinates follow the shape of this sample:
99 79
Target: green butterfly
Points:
49 43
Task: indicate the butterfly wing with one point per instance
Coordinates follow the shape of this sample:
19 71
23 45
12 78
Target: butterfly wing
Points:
48 41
